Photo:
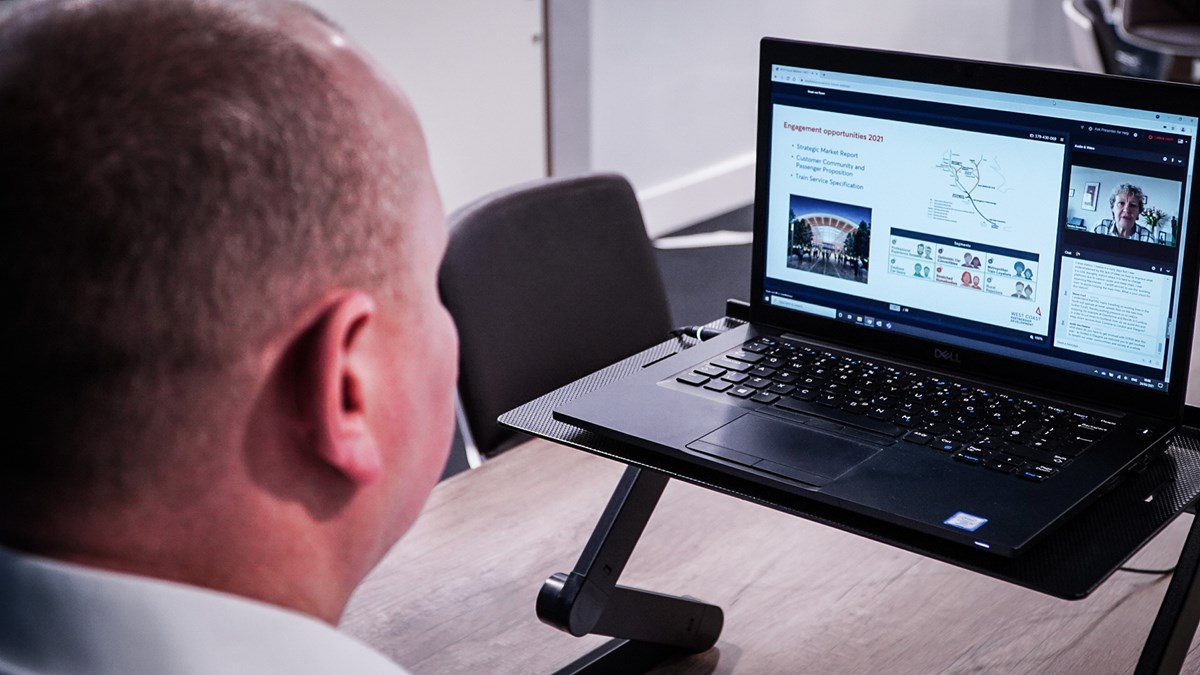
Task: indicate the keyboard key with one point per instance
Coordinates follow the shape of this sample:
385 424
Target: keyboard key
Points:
999 466
885 400
764 397
935 428
761 371
987 443
781 389
736 378
946 445
1099 429
735 366
711 370
718 385
962 422
918 437
1037 473
1038 456
804 393
694 379
742 392
1046 471
832 400
786 376
968 458
855 407
744 356
963 435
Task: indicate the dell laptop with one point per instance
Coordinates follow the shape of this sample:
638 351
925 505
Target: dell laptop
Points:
972 297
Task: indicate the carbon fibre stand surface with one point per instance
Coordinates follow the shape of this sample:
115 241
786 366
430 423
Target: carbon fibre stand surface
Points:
1070 563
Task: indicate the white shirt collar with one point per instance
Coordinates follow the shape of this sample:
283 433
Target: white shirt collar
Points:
58 617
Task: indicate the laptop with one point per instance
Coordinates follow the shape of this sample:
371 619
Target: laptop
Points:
972 297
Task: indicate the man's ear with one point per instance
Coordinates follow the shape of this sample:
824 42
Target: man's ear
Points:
331 393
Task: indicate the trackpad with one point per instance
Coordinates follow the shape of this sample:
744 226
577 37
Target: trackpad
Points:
800 452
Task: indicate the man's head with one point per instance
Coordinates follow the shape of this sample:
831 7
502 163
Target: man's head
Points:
221 235
1127 203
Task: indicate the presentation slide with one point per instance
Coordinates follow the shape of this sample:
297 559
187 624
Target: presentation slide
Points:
997 274
1114 312
958 220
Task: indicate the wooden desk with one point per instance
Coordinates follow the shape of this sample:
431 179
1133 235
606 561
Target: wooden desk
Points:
456 595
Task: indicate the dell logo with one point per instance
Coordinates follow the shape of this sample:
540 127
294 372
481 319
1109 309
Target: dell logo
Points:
946 354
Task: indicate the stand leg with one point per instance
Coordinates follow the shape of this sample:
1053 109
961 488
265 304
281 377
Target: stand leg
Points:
588 600
1175 626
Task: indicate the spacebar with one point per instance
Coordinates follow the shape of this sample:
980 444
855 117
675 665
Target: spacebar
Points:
837 414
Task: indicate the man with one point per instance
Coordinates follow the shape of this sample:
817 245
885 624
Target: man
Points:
232 372
1126 203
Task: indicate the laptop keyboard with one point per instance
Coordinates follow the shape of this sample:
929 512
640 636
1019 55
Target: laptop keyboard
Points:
993 430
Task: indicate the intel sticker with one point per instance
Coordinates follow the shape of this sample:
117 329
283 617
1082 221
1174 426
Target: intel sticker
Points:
965 521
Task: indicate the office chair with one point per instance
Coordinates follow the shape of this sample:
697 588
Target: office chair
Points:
1167 26
547 282
1093 35
1085 46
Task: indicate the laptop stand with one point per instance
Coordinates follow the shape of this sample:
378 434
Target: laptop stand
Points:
1070 563
651 626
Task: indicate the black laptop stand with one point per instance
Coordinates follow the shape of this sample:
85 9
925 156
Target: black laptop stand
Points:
1070 563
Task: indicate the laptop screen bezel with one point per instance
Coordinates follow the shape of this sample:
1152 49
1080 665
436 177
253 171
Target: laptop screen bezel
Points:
979 364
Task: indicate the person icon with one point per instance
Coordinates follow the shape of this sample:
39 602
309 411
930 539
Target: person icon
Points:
920 250
1019 268
916 269
1028 292
975 281
975 262
1020 290
1028 273
926 271
966 260
966 278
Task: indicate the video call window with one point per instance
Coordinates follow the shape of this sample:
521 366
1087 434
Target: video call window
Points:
1134 207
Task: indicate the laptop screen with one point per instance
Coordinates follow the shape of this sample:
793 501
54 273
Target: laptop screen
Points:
1044 229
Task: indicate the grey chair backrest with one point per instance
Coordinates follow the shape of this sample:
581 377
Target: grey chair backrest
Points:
1085 46
547 281
1117 55
1170 27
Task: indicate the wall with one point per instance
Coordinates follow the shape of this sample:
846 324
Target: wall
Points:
671 97
474 70
661 91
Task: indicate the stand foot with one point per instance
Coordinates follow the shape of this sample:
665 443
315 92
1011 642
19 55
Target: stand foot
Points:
621 657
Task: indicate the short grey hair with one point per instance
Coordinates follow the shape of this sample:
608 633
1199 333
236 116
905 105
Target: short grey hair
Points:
178 179
1131 190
